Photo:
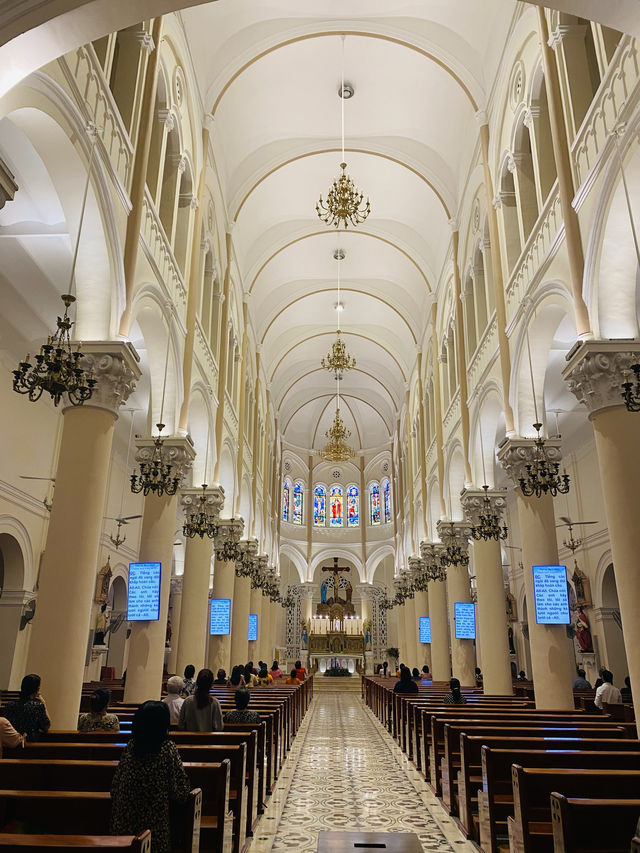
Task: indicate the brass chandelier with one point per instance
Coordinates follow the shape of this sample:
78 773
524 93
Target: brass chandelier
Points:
201 521
345 203
338 359
631 391
488 526
543 477
336 449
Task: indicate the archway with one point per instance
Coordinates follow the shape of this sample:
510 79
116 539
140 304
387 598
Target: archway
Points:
118 633
613 656
13 597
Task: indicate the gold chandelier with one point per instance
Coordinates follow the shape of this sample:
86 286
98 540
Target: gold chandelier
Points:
338 359
345 203
336 449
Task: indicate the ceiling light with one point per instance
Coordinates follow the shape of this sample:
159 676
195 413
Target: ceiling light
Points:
339 255
346 91
338 306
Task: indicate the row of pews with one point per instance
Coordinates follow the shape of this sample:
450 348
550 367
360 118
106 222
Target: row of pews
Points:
54 793
516 778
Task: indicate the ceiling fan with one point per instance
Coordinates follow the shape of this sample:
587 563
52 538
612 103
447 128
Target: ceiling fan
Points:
47 504
122 520
572 544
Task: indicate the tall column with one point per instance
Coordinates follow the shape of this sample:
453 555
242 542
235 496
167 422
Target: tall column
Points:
431 553
492 627
410 632
566 192
240 605
224 571
148 639
194 615
421 608
257 648
461 353
552 662
594 375
175 609
242 414
463 659
224 355
61 626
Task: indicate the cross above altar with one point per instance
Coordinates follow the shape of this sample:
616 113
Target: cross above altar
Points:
336 571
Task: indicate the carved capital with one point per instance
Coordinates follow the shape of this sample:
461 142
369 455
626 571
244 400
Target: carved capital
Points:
306 591
454 533
416 565
366 591
496 201
229 530
168 119
516 453
115 366
431 552
177 452
214 495
176 586
8 186
596 370
146 41
477 501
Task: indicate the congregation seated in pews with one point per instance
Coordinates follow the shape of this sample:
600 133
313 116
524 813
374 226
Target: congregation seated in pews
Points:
128 779
517 778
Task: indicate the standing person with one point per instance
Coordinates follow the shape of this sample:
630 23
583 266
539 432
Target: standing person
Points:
293 678
276 672
201 712
28 714
149 776
455 697
301 672
8 735
241 714
173 700
97 719
385 667
188 685
406 684
607 692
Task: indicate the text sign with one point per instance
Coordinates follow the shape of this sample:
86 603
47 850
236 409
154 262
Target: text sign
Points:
551 595
464 614
143 595
253 626
220 622
425 629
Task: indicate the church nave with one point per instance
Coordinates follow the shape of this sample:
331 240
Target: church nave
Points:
345 773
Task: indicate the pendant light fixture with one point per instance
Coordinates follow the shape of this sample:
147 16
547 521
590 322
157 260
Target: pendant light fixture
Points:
338 359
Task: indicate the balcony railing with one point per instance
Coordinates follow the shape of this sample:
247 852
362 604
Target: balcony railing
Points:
160 256
483 356
204 356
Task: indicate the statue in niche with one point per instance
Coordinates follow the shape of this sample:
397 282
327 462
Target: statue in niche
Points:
323 592
583 632
512 648
101 626
512 611
582 587
367 634
304 635
103 582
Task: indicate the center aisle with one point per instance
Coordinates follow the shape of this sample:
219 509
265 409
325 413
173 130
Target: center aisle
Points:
344 772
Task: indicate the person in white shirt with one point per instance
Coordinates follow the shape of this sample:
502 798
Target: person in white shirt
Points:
174 700
607 692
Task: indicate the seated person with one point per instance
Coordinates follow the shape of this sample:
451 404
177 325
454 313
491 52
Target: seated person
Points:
415 674
522 676
201 712
241 713
250 678
263 676
28 714
97 719
625 692
301 671
479 677
455 697
425 675
173 700
148 778
8 735
607 692
581 682
189 684
293 678
406 684
276 672
221 677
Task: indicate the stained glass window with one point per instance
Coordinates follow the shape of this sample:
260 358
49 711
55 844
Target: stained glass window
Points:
374 504
353 506
298 496
319 506
286 498
387 502
337 510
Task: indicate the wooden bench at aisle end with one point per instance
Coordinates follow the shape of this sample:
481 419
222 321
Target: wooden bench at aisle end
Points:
80 843
587 826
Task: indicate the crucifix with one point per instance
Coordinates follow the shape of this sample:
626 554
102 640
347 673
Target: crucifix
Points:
336 570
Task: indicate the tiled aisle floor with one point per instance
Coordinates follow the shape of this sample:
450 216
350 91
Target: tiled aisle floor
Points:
345 773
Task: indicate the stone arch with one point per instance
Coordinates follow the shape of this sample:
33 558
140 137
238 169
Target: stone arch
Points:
296 559
376 559
202 431
488 419
454 481
13 597
329 553
227 477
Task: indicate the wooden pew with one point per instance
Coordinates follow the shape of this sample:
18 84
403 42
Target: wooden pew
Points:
495 800
530 829
72 775
81 843
210 754
83 813
586 825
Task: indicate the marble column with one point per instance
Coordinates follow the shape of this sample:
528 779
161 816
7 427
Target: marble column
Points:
431 553
463 657
175 608
194 615
491 611
594 374
147 642
240 605
409 655
61 626
552 663
224 568
257 647
416 567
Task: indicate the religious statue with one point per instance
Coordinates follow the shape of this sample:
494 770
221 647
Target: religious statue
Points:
103 581
348 590
323 592
512 612
336 571
304 636
582 587
168 634
583 632
512 648
367 635
101 626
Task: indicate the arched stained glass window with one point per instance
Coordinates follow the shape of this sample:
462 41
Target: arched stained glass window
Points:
319 506
374 504
353 506
387 502
286 501
298 503
337 509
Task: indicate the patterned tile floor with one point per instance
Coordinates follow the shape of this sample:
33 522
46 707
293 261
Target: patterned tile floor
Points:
344 772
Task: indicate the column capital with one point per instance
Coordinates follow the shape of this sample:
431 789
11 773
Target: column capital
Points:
176 586
115 364
8 186
516 453
176 451
474 502
229 531
596 370
366 591
214 499
146 41
416 564
454 533
306 590
481 117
